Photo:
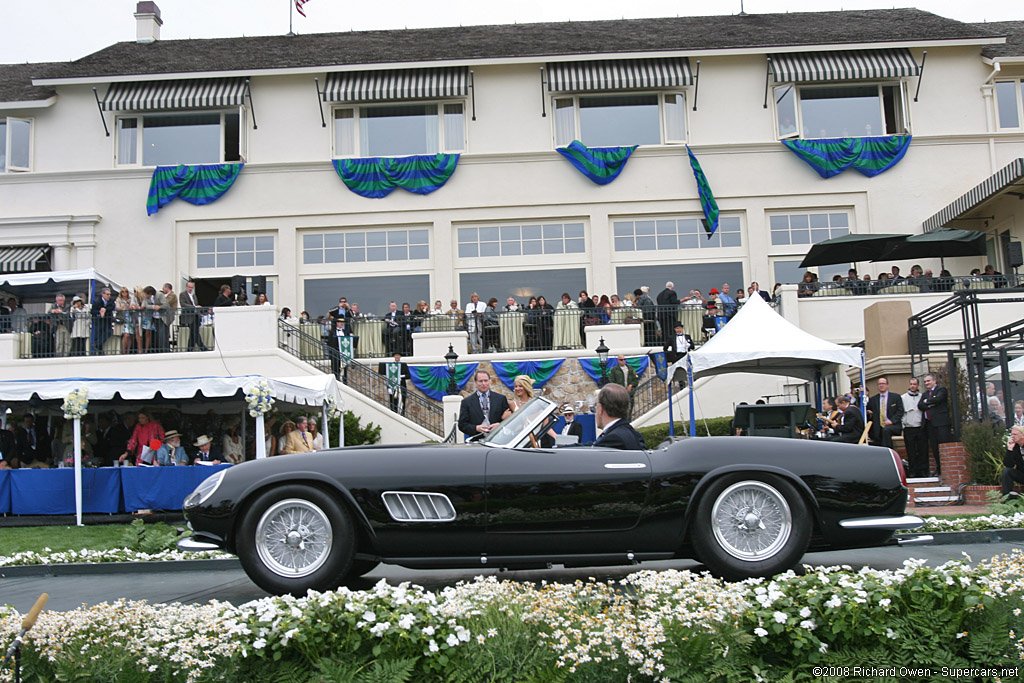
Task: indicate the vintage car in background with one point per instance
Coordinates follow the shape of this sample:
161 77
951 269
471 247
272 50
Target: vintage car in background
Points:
743 506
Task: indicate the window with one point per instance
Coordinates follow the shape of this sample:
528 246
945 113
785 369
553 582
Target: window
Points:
366 246
15 144
840 111
399 129
372 293
657 234
522 240
185 138
808 228
234 252
621 119
1008 104
522 284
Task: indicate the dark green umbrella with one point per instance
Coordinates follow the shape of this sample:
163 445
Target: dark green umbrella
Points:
937 244
850 248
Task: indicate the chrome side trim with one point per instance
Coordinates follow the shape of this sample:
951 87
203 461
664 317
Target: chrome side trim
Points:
624 465
191 544
915 540
416 506
901 522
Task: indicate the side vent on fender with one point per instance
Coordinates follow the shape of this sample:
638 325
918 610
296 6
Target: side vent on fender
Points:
412 506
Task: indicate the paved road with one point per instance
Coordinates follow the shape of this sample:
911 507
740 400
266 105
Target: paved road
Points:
68 592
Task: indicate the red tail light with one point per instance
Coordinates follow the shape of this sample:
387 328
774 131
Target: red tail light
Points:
898 461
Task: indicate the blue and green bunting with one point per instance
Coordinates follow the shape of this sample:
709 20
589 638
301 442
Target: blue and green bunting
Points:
600 164
869 156
376 177
538 370
708 204
195 184
432 380
592 366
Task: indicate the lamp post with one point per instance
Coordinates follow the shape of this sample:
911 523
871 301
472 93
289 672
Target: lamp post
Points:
449 359
602 358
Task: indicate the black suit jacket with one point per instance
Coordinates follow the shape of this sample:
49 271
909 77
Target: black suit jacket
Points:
470 414
668 297
936 402
575 429
107 321
672 353
894 411
621 435
382 369
852 425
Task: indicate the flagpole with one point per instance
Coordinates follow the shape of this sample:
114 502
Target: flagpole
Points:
291 13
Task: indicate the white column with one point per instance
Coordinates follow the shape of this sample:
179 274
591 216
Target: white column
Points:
78 470
325 428
341 429
451 406
261 438
62 256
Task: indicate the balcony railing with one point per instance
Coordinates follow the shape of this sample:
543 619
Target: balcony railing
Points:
371 384
909 285
58 335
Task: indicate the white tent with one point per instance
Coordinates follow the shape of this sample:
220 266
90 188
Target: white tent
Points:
759 340
44 286
1016 368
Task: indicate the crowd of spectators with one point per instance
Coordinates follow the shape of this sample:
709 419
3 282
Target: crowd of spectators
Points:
923 280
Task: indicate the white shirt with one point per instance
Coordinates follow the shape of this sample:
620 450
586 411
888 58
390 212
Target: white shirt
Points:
565 428
912 415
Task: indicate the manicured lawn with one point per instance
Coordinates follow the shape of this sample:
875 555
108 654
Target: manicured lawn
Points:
63 538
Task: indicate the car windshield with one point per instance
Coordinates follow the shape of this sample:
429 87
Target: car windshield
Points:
514 431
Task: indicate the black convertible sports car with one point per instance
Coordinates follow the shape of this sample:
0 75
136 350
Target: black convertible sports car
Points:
744 506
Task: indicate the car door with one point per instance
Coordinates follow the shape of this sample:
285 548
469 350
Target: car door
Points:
566 500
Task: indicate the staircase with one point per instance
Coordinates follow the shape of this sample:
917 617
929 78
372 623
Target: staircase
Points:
925 491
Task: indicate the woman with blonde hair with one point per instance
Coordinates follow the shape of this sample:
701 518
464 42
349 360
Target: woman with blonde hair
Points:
522 387
287 427
124 318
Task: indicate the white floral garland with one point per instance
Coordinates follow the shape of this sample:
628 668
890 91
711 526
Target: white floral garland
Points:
76 404
333 411
259 397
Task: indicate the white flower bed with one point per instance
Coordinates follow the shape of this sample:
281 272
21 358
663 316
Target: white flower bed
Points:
46 556
934 524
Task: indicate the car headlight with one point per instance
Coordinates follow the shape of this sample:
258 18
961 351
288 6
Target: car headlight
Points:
204 490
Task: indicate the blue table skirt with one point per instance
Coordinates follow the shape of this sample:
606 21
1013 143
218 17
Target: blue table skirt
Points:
589 426
161 488
52 492
5 491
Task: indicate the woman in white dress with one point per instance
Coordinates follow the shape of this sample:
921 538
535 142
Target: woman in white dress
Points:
234 448
316 437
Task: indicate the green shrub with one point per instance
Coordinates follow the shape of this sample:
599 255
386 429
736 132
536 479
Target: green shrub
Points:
149 538
356 434
985 444
718 426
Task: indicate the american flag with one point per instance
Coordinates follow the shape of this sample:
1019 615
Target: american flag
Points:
299 4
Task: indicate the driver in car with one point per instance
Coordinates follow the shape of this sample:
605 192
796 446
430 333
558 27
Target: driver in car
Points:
612 409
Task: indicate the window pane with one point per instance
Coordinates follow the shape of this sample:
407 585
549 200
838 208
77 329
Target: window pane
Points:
313 256
819 220
510 233
3 145
225 260
181 139
398 130
839 220
779 222
688 242
398 237
264 258
21 138
127 140
469 250
398 253
531 247
575 246
714 240
205 261
644 227
334 256
565 121
376 254
624 244
623 229
225 244
264 244
666 227
552 231
232 137
667 241
785 110
675 118
375 239
488 249
244 259
574 230
689 226
355 255
355 239
730 239
454 128
531 232
1006 99
553 246
312 241
801 236
609 120
799 221
206 246
417 252
344 133
841 111
780 237
645 243
244 244
511 248
334 240
819 236
419 237
489 234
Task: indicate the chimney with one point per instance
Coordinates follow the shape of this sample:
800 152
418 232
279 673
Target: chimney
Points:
147 22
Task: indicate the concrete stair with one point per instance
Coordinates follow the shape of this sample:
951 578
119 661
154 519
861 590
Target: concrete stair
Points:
930 491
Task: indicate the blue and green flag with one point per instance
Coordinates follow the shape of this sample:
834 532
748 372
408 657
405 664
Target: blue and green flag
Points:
432 380
707 199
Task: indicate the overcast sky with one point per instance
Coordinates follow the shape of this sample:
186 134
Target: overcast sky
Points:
62 30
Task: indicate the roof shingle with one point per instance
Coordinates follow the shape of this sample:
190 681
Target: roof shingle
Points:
16 82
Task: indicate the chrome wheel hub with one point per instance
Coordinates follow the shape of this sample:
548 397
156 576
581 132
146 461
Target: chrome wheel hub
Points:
751 520
294 538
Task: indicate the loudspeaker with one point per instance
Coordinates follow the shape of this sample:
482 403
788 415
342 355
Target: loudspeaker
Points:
1016 255
917 339
238 284
259 285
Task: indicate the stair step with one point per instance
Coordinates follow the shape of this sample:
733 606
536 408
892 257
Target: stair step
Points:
931 489
935 499
923 480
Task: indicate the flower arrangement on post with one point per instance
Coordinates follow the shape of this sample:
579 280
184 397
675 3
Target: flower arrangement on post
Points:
331 406
259 397
76 404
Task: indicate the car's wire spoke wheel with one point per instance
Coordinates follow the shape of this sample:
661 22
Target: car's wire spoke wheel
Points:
751 520
293 538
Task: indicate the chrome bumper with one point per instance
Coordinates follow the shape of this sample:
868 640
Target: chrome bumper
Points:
894 523
915 540
190 545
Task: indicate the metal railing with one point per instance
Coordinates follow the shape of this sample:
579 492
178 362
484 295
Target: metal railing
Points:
909 285
371 384
649 394
79 333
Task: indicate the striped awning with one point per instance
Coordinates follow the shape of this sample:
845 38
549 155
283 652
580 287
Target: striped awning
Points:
397 84
623 74
847 65
1009 176
163 95
20 259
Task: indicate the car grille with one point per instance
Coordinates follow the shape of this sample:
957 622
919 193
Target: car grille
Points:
407 506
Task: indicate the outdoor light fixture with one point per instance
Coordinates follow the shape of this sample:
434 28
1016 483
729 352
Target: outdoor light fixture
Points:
602 358
449 359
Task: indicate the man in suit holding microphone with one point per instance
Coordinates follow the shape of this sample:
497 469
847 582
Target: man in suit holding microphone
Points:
482 410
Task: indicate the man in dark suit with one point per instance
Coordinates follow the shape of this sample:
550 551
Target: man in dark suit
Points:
342 311
612 408
482 410
851 424
31 443
668 302
334 341
678 345
571 427
190 316
885 410
103 310
396 391
935 406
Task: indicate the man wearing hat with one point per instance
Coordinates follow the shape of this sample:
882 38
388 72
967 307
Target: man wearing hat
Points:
572 427
203 456
171 452
678 345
